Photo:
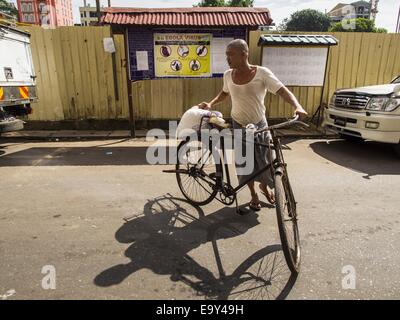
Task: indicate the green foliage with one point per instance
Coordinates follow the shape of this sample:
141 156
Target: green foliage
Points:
212 3
9 9
381 30
223 3
306 20
360 24
241 3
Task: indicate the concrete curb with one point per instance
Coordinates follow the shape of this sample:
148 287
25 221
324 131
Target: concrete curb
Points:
79 135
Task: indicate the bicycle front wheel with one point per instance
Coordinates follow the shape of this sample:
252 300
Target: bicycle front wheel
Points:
196 172
287 222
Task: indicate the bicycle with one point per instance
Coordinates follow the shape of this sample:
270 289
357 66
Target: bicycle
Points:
200 175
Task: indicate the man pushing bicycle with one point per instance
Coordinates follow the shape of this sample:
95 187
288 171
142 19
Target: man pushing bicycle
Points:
247 86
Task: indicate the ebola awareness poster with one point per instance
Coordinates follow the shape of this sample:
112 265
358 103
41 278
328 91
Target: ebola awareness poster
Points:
182 55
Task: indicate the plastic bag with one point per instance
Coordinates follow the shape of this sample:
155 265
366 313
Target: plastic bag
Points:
191 121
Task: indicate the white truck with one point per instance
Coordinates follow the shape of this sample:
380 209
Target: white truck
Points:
17 78
366 113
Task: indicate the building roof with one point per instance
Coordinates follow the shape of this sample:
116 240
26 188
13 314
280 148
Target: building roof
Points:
364 3
337 7
196 16
295 40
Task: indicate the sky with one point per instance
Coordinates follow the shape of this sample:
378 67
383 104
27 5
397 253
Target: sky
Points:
280 9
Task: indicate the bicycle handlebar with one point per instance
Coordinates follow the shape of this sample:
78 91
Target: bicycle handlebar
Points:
276 126
284 124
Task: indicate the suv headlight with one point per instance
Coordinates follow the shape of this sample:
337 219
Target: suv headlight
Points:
392 104
377 104
333 99
383 104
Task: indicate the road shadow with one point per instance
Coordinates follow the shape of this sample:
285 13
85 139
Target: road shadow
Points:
170 228
370 158
106 153
85 156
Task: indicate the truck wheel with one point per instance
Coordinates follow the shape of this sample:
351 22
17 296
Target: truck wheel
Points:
11 124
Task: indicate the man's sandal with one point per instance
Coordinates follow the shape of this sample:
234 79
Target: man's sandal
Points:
267 195
255 206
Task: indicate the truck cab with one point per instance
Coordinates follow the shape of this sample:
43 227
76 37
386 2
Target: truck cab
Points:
367 113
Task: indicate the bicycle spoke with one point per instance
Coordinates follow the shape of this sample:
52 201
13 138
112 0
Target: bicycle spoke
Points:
196 184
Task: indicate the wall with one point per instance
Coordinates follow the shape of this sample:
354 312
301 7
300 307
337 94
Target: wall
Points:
75 76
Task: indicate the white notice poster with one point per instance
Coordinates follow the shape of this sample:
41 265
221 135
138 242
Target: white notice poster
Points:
296 66
108 44
218 49
142 61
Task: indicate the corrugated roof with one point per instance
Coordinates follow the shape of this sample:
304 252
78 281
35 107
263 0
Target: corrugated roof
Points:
296 39
198 16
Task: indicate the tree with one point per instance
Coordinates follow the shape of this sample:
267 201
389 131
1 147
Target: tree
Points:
282 25
211 3
8 8
307 20
381 30
357 25
222 3
241 3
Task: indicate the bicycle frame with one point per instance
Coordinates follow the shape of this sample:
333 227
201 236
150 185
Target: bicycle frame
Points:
222 190
275 162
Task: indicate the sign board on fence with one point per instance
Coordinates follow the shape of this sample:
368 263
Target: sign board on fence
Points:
218 51
296 66
142 60
108 44
182 55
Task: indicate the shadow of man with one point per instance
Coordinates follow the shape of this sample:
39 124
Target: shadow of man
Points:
163 236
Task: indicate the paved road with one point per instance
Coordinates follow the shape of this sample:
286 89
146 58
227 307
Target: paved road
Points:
114 227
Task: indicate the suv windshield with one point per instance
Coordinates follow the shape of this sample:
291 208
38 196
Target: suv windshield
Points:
396 80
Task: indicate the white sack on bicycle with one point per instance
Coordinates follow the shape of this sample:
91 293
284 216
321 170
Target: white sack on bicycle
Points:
191 119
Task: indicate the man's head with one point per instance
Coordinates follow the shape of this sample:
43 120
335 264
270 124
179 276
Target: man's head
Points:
237 53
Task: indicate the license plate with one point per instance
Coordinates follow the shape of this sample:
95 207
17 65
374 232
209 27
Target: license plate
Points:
340 122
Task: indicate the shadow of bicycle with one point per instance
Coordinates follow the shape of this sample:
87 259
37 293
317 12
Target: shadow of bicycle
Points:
262 276
170 228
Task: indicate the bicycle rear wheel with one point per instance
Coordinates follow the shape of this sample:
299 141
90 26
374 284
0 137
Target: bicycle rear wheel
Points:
287 222
196 172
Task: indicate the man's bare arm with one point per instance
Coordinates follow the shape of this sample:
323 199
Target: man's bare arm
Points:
290 98
218 99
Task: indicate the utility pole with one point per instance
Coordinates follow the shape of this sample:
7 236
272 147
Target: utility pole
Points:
98 11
